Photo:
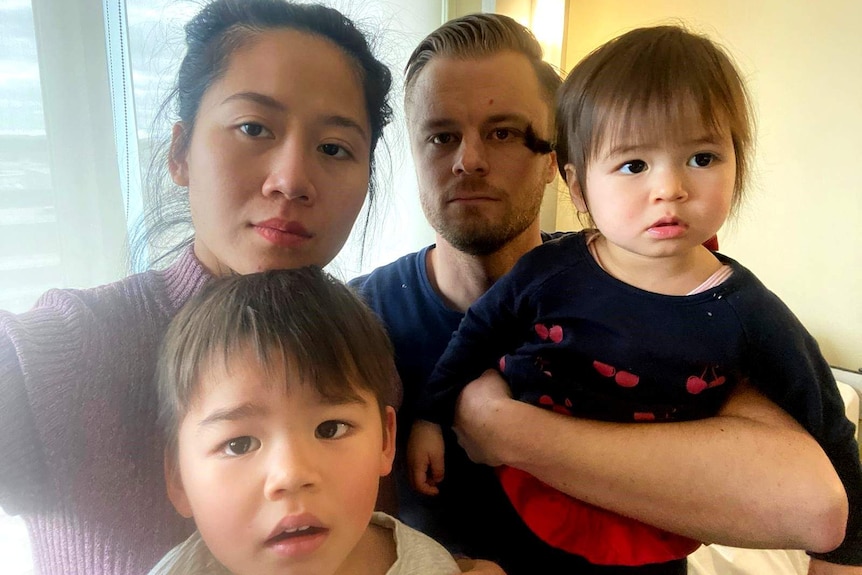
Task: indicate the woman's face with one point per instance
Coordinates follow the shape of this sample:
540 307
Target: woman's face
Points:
278 164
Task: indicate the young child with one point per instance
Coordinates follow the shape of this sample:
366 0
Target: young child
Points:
636 321
277 393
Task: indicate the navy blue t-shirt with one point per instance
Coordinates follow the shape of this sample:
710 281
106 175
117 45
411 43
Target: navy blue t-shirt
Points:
471 515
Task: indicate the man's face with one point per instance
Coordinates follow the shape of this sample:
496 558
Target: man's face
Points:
479 184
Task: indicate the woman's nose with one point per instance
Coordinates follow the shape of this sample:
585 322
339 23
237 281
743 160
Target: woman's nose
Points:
471 159
291 467
290 172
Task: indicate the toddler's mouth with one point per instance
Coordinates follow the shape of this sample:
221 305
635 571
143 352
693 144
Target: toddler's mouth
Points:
296 533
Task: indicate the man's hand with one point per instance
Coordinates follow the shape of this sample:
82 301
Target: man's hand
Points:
817 567
479 567
479 405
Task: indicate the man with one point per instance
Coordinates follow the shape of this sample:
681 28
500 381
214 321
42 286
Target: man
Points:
479 103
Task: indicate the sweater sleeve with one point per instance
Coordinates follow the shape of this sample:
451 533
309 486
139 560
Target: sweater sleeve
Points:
787 365
23 471
41 360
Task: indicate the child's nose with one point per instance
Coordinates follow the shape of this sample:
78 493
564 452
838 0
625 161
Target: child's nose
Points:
669 185
291 468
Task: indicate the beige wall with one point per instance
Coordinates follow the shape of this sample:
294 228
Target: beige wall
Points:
801 229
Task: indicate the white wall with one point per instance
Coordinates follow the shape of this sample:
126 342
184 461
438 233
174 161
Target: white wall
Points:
801 229
399 226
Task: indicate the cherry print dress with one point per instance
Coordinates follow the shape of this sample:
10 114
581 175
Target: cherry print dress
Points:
569 337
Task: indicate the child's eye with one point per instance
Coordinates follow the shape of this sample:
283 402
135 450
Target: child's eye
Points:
240 445
254 130
701 160
331 429
633 167
334 150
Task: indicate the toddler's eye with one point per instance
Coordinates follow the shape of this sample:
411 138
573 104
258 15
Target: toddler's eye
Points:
240 445
254 130
331 429
701 160
633 167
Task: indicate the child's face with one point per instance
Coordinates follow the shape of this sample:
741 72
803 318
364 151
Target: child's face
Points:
280 481
659 197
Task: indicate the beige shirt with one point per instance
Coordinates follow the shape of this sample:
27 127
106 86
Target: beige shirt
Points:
417 554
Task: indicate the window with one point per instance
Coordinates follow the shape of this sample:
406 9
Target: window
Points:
29 250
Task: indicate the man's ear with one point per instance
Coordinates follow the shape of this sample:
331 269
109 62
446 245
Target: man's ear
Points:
176 492
575 191
177 155
552 168
388 454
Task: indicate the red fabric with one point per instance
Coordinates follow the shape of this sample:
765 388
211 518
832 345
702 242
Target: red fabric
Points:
711 244
600 536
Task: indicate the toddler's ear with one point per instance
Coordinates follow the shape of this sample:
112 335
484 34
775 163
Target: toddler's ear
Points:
575 191
176 492
388 454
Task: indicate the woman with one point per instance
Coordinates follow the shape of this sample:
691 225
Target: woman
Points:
280 107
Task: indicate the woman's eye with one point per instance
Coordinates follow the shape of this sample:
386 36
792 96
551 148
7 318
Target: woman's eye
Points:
240 445
334 150
633 167
441 139
254 130
701 160
331 429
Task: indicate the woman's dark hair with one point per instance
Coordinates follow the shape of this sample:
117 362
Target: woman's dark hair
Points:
212 36
301 325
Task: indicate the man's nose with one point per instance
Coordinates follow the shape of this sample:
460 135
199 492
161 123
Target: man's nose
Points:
472 158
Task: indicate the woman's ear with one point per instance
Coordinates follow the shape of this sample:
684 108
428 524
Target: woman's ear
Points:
176 492
388 454
177 164
575 191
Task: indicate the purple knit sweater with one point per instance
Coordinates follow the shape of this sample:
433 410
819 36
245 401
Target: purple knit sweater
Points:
80 454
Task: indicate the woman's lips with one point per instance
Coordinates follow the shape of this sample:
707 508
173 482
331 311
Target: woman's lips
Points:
282 232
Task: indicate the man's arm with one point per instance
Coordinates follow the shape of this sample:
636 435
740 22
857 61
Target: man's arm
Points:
750 476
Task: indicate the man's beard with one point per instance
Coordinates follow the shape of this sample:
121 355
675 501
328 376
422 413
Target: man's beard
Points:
476 235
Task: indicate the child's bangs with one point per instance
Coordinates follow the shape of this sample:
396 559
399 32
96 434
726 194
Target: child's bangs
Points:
294 357
299 326
656 119
662 82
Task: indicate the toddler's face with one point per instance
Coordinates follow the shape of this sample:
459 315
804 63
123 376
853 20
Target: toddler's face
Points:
279 481
660 196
